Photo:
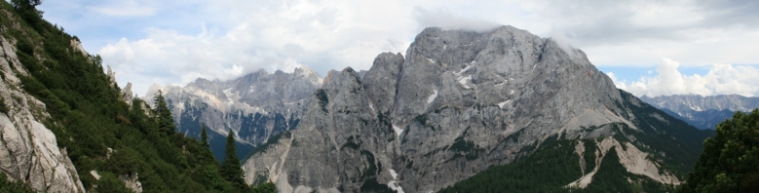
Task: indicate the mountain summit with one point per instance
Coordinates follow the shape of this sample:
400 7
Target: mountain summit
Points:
460 102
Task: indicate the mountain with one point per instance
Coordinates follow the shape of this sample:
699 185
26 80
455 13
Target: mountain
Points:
460 102
703 112
256 106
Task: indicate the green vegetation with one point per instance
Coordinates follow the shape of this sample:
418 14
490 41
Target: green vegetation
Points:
99 131
7 186
613 177
111 184
547 170
729 160
163 115
553 166
3 108
230 169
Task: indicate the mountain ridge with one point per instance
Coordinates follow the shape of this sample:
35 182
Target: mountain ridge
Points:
457 103
703 112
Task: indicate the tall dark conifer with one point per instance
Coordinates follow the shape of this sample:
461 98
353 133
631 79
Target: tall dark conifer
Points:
230 169
207 154
163 115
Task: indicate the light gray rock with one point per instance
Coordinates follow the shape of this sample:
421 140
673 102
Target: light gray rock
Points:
28 150
132 182
126 94
111 75
336 147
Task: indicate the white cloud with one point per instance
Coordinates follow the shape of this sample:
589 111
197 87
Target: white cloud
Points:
124 8
324 35
447 20
721 79
223 39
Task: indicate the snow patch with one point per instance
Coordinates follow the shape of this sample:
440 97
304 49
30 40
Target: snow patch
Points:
463 70
228 93
393 184
432 97
397 130
504 103
697 109
464 81
431 61
511 92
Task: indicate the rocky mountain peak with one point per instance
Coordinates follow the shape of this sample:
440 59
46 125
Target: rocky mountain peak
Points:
457 102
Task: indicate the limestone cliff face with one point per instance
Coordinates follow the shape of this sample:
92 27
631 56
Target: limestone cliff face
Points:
28 150
457 103
341 143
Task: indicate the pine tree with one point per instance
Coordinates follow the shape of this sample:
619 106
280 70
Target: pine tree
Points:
230 169
729 160
206 153
163 115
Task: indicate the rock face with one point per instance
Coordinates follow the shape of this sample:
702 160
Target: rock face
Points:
255 106
703 112
457 103
28 150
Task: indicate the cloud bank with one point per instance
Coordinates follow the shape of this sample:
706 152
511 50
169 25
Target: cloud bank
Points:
721 79
173 42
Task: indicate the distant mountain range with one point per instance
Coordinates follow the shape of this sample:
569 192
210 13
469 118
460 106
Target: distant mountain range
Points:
256 106
703 112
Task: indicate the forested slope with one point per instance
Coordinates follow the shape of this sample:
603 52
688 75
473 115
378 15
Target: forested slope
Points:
104 137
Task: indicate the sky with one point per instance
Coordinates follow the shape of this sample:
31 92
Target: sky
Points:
648 47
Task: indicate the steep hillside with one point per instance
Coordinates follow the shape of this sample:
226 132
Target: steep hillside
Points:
460 102
256 106
66 127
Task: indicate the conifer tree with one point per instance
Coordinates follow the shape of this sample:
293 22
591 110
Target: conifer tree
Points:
163 115
207 154
230 169
728 162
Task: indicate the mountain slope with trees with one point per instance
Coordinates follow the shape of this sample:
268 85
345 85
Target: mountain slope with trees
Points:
108 140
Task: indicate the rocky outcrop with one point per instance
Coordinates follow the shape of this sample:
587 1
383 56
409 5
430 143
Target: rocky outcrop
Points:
77 45
132 182
126 94
111 76
29 151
